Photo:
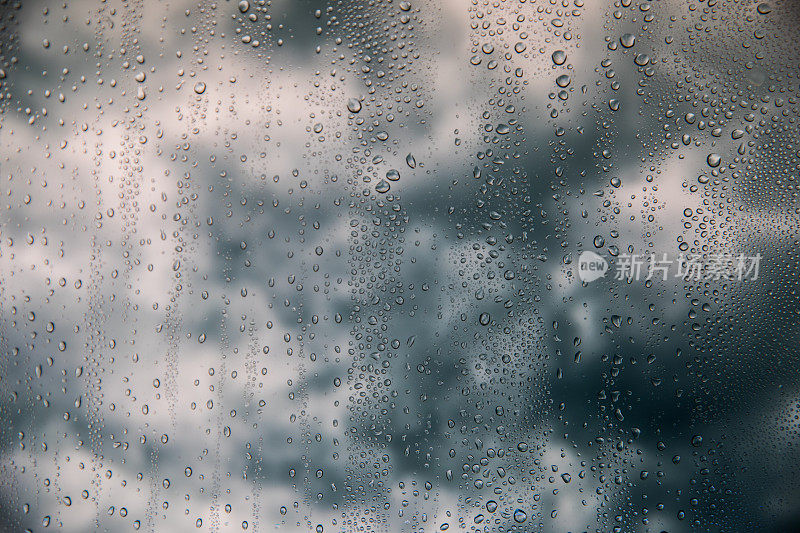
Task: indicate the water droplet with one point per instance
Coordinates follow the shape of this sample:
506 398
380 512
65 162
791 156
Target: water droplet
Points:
627 40
559 57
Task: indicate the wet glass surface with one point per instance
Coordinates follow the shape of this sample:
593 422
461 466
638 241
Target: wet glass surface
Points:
404 266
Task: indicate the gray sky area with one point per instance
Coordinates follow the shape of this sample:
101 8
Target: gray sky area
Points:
467 265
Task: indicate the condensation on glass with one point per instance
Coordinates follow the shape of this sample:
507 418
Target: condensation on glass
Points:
470 265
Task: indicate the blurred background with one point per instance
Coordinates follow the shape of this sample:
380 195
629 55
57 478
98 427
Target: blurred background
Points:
313 266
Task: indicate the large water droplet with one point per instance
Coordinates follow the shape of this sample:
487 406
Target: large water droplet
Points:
627 40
